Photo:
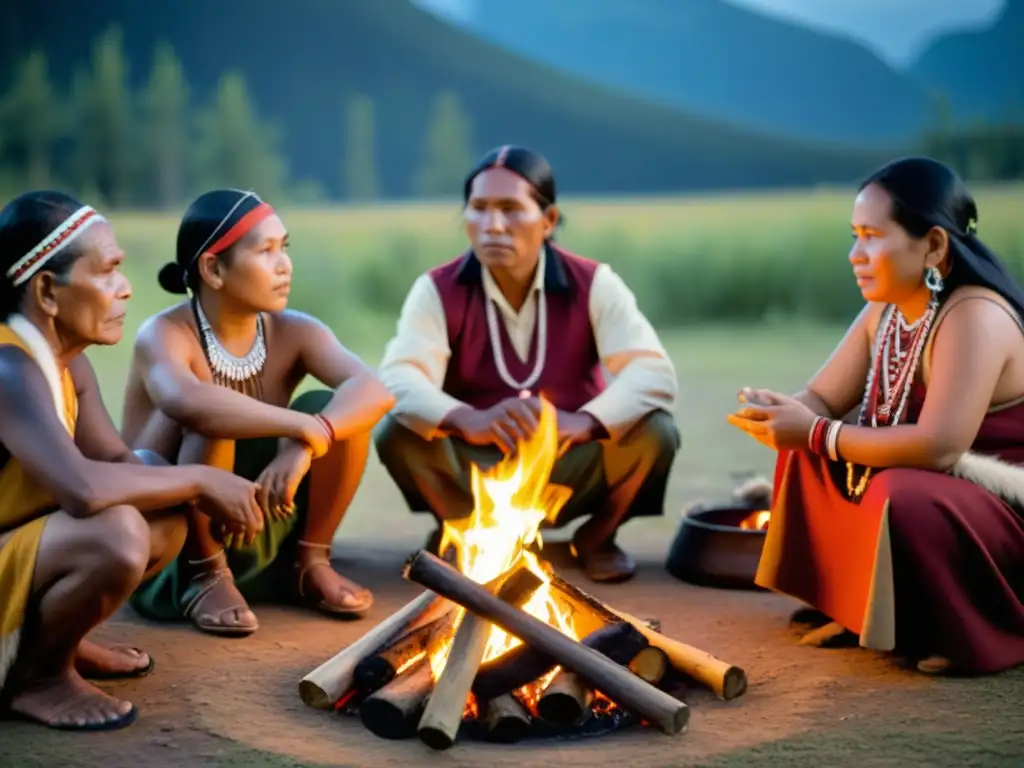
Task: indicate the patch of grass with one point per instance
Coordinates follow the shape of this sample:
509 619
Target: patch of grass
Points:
968 722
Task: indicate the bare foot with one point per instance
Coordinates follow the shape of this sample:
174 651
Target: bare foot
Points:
831 635
935 665
70 703
99 662
324 587
215 605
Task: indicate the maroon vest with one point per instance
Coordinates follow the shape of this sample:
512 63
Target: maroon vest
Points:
572 370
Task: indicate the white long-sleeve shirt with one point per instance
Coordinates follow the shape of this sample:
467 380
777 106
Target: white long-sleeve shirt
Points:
643 378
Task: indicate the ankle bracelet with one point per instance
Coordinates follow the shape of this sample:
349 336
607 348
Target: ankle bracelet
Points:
209 559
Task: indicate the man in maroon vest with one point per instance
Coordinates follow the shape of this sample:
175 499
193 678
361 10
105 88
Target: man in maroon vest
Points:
481 336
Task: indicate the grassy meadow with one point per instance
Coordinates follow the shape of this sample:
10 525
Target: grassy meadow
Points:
748 289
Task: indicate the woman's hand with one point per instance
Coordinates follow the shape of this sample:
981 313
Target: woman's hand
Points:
280 481
777 421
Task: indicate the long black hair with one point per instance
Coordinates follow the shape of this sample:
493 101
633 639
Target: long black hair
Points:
529 165
25 222
213 223
925 194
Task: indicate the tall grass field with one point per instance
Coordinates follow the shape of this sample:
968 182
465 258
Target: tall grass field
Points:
699 261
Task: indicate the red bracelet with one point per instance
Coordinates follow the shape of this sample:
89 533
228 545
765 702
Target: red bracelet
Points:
816 440
328 427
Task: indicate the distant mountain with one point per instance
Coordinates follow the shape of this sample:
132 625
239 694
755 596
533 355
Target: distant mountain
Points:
303 59
981 72
718 59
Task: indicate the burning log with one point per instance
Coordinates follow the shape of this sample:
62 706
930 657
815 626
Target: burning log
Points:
393 711
505 719
510 672
322 687
565 700
377 670
443 714
625 688
650 663
522 665
726 680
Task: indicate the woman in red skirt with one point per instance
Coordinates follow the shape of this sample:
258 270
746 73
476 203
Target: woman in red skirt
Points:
898 502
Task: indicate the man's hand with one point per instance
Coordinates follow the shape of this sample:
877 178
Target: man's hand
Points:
505 425
231 502
279 482
576 428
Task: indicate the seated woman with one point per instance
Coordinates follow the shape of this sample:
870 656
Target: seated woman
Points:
81 518
211 381
903 523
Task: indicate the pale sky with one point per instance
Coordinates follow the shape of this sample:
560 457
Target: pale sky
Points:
895 29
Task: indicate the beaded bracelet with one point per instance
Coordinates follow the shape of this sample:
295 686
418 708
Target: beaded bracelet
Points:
824 437
816 437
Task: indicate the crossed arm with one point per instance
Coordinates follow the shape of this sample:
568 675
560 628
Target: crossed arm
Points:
95 470
181 386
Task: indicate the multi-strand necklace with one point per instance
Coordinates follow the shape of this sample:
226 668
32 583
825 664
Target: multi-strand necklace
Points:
899 347
242 374
540 351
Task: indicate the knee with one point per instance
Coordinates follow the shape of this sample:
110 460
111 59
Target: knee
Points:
394 442
121 543
658 438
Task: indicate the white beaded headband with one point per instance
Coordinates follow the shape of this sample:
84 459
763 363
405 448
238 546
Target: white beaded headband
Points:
52 244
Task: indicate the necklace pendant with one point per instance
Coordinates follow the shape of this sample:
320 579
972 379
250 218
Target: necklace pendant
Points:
525 394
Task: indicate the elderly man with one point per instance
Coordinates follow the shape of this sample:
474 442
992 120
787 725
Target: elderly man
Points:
479 338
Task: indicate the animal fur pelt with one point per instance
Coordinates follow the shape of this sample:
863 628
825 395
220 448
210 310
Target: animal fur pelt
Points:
998 477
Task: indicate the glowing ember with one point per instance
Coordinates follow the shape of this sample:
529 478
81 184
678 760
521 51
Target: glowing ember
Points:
510 502
758 521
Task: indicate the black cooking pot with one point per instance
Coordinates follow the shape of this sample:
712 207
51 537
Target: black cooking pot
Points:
711 550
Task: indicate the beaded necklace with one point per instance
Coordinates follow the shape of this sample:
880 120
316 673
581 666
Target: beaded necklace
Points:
242 374
898 349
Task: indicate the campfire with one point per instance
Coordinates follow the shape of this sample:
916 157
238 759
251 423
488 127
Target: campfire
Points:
500 646
756 521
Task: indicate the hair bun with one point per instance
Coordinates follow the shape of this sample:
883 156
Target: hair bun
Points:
172 278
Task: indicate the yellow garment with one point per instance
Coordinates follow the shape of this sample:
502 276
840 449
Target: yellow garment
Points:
24 508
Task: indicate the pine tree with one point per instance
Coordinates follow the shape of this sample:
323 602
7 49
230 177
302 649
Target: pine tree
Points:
234 149
448 149
105 147
359 173
166 141
31 122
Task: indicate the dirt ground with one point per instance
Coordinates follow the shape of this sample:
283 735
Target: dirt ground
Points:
222 702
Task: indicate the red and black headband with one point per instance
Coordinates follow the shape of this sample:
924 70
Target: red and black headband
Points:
240 219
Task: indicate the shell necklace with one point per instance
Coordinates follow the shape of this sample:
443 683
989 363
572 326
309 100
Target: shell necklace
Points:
541 334
242 374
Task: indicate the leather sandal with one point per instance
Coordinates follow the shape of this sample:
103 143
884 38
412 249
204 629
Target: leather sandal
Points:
200 588
320 603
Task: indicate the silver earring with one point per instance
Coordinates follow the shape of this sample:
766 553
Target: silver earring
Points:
933 280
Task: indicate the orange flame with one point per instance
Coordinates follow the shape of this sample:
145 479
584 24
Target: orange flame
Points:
510 502
756 521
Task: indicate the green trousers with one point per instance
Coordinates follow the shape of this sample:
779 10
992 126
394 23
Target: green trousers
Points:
264 571
611 481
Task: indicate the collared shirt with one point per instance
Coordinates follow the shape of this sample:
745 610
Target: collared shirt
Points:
642 376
